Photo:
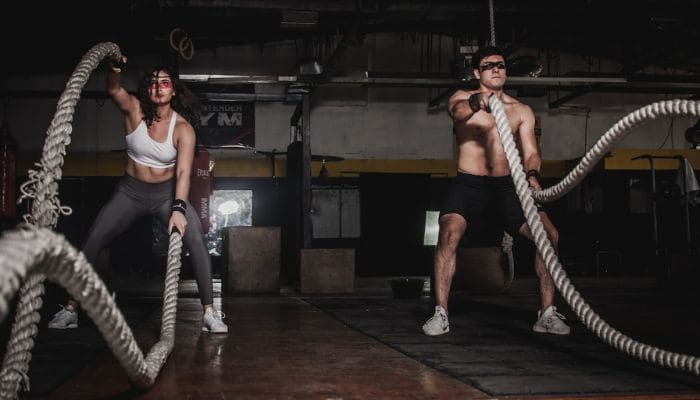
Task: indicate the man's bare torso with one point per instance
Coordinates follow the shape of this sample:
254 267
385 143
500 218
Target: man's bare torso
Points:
480 148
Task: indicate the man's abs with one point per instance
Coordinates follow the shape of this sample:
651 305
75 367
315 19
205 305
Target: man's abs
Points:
481 153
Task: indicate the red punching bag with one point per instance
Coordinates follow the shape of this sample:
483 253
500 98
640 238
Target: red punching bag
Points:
8 159
200 186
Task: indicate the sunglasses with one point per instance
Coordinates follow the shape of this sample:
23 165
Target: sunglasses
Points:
491 65
164 84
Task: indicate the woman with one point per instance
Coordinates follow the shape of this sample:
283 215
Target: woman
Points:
160 149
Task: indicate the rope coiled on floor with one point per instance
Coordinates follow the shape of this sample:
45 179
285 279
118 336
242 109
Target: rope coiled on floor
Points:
32 252
590 319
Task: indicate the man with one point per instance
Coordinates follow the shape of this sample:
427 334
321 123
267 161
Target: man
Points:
483 179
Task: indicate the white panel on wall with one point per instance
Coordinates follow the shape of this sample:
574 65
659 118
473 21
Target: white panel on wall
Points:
335 212
325 213
350 212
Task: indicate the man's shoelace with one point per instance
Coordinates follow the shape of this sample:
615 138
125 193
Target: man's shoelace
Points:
550 319
63 309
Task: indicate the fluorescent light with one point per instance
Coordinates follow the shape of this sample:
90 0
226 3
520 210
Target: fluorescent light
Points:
432 227
228 207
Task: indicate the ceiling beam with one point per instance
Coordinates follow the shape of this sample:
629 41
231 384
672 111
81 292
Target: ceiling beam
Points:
562 100
577 85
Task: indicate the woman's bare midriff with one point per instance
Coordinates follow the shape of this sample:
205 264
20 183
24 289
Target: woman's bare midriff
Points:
149 174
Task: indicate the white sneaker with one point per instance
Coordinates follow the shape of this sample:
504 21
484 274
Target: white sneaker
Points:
212 321
438 324
67 318
550 321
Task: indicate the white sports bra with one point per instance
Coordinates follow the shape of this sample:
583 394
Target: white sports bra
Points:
144 150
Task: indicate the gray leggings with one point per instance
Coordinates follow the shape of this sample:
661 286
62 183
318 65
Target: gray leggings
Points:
134 199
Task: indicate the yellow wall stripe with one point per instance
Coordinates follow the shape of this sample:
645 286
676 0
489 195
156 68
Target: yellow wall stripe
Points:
112 164
621 159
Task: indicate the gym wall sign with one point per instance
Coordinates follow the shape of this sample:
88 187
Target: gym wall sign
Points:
225 124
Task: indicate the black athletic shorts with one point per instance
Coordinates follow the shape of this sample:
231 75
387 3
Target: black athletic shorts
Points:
473 196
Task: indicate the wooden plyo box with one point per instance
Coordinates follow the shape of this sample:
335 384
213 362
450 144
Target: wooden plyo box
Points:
481 269
327 270
253 259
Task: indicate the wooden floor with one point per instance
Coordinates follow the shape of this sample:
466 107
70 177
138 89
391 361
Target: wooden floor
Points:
277 348
289 347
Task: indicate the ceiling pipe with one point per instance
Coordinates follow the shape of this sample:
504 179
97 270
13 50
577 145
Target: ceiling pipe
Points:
589 84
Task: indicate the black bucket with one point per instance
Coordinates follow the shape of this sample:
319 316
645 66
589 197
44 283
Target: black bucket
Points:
407 288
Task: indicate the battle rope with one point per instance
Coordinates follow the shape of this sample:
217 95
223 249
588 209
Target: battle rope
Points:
41 185
45 209
590 319
30 250
507 248
618 131
507 240
492 23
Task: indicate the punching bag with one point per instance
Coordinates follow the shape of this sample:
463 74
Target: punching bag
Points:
8 159
200 186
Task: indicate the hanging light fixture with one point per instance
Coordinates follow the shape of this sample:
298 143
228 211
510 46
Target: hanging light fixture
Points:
525 66
692 135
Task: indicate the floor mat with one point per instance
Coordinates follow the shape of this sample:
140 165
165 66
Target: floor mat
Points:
493 348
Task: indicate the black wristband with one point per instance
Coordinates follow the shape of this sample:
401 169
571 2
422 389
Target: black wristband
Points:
180 206
475 102
116 64
533 172
180 210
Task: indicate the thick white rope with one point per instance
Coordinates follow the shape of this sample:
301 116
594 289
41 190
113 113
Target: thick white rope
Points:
30 251
590 319
507 248
41 185
507 240
45 208
492 21
617 132
47 255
